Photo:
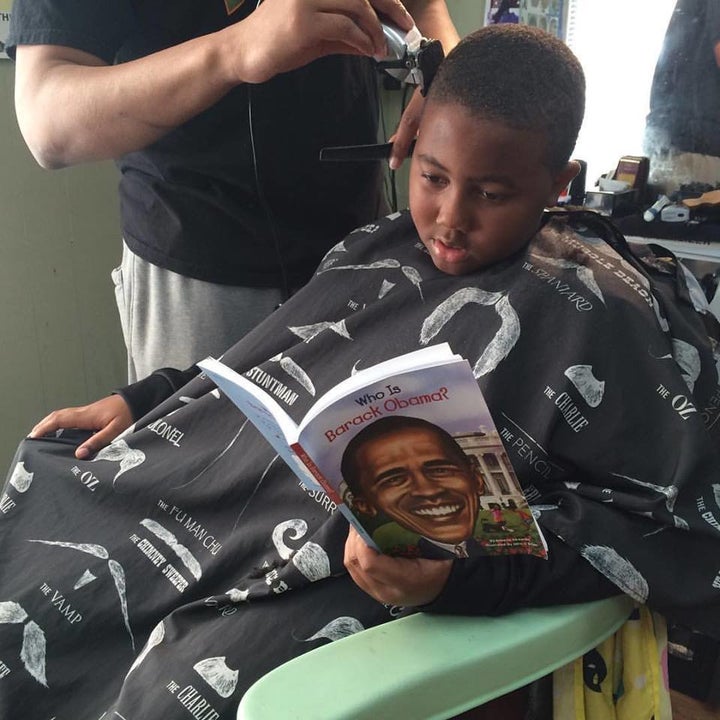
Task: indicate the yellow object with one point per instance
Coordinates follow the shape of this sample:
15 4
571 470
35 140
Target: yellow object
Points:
623 678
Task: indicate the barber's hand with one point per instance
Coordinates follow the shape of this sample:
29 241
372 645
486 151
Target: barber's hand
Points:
108 417
406 130
282 35
394 581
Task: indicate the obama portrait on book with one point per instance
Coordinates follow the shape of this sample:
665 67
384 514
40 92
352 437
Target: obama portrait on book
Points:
415 474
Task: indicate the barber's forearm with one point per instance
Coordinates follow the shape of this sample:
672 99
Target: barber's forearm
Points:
72 109
433 19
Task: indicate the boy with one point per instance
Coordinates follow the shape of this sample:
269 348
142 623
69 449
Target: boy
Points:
189 524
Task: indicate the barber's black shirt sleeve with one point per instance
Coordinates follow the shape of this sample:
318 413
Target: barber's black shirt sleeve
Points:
149 392
98 28
497 585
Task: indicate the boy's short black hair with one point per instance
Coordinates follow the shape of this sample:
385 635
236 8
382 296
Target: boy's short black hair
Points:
521 76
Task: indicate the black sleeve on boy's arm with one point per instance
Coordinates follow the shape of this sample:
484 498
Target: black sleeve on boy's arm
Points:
498 585
149 392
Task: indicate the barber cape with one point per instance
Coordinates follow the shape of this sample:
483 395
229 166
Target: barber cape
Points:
184 561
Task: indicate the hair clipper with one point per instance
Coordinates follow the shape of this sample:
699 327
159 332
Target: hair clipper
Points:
411 58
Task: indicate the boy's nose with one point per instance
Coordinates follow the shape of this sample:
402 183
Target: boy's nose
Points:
453 212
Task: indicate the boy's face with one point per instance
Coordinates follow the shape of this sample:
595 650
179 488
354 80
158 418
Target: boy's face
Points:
477 187
411 477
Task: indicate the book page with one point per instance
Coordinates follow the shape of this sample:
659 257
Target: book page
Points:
263 411
434 355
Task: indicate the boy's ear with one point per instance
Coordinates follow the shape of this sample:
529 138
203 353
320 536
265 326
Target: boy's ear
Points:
561 180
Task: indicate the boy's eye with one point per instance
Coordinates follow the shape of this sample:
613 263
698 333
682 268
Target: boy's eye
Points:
433 179
482 193
487 195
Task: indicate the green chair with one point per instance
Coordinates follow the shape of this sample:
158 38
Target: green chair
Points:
430 667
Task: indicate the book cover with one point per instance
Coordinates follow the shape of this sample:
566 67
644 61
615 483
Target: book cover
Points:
408 451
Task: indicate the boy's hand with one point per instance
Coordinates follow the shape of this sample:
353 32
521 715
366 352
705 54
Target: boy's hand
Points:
394 581
108 417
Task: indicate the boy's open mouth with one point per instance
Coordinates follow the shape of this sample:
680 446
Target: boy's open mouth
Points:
448 251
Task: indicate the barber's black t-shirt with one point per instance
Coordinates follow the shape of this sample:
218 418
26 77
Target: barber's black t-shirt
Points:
236 195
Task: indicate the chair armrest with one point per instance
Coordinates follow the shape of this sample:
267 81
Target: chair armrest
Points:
431 667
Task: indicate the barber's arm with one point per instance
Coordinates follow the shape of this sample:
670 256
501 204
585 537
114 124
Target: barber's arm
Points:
433 20
73 107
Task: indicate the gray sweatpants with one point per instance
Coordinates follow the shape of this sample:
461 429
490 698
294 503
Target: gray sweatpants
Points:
169 320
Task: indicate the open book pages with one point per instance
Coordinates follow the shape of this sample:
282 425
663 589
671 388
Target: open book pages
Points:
408 451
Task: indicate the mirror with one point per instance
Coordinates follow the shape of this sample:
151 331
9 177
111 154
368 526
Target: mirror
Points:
619 44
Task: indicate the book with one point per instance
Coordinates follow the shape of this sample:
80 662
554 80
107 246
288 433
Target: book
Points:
408 451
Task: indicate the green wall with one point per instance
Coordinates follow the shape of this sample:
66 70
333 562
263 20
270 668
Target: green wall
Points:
60 339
